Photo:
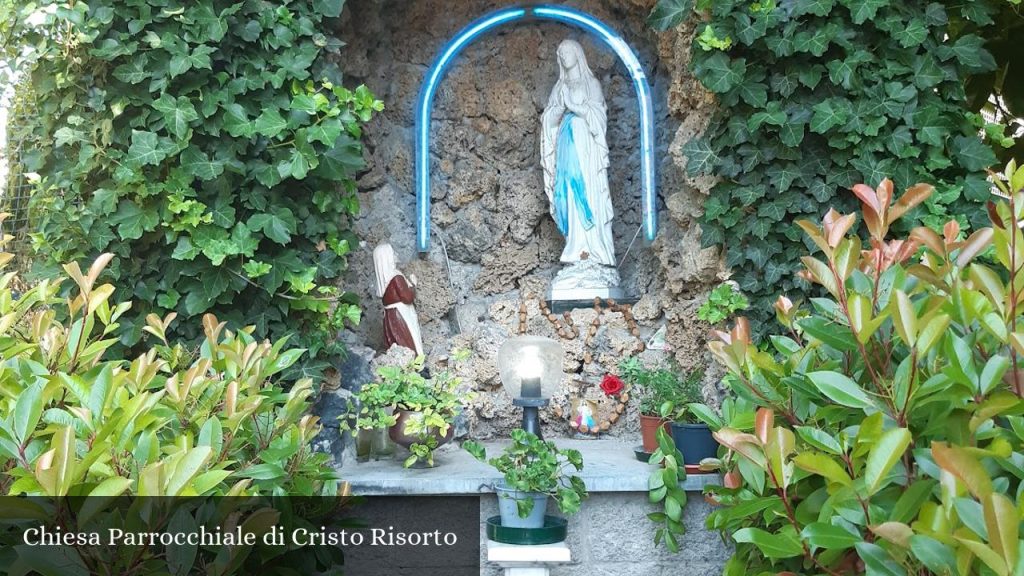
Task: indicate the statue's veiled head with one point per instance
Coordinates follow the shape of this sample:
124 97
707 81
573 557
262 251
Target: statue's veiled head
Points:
570 55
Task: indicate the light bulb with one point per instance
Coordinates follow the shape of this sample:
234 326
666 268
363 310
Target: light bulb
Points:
530 365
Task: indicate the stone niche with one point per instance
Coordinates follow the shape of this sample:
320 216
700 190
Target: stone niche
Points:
494 242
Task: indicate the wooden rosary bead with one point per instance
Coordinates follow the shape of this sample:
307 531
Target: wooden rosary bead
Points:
614 417
605 426
620 408
624 397
584 428
635 332
558 411
587 358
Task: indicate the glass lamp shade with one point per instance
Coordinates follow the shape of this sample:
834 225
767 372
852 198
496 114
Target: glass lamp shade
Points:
530 366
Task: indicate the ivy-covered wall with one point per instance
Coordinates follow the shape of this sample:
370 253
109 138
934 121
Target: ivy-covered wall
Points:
210 147
818 95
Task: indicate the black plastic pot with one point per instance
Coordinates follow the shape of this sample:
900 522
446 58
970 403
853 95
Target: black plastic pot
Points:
694 441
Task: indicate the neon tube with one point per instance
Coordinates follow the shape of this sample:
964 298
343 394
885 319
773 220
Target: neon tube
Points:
493 20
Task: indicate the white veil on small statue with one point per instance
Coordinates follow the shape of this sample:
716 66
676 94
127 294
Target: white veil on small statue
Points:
574 155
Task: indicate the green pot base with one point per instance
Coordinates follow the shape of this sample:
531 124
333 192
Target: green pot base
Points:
554 530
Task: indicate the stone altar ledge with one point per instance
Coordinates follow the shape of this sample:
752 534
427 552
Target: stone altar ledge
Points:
608 466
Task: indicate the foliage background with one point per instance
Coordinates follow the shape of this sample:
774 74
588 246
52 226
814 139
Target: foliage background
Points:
817 95
210 146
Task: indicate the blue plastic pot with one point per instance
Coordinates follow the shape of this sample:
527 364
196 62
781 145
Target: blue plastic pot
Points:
694 441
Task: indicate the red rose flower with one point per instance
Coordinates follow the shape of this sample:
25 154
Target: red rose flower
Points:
612 385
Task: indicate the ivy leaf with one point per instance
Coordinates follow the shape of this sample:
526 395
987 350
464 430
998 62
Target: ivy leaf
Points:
926 71
719 73
270 123
748 29
295 165
972 153
184 249
815 40
134 71
669 14
278 225
816 7
342 160
792 133
145 149
864 10
329 8
131 220
753 93
198 164
183 60
177 113
829 114
700 158
913 34
970 52
236 121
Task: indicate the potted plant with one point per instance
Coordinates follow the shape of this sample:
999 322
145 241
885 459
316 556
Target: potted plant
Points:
657 393
425 409
690 430
370 417
534 470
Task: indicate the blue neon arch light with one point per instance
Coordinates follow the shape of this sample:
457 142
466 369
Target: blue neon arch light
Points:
491 21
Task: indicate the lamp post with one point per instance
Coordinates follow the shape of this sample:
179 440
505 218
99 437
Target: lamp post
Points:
531 369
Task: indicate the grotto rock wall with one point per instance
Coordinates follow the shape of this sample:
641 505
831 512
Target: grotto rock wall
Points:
494 244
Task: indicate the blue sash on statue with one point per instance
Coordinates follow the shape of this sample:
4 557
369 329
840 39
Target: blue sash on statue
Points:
569 180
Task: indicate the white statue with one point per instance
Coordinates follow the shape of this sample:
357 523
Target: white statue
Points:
398 293
574 154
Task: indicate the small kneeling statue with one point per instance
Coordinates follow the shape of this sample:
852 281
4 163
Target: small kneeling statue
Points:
398 293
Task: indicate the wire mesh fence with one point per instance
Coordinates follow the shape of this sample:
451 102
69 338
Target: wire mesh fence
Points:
15 186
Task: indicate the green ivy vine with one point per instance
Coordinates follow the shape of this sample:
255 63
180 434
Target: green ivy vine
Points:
817 95
209 145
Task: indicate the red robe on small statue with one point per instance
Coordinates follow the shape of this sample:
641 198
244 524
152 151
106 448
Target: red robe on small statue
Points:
396 331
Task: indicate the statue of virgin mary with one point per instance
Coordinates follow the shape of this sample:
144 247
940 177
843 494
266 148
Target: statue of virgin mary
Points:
575 161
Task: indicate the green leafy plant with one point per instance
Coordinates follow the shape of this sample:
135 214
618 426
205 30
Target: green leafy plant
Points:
209 148
76 421
530 464
885 431
815 96
723 301
664 488
663 391
373 409
435 402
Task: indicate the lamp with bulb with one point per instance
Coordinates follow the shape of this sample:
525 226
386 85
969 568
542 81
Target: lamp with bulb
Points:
530 368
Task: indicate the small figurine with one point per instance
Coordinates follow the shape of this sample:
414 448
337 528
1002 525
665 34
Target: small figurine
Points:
398 294
583 414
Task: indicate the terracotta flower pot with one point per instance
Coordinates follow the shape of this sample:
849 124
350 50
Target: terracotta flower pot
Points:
398 435
649 430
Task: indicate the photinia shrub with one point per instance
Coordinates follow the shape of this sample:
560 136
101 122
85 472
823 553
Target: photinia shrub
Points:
884 431
75 420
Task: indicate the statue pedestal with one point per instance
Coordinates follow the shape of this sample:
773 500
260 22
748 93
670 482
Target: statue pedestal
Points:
576 285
